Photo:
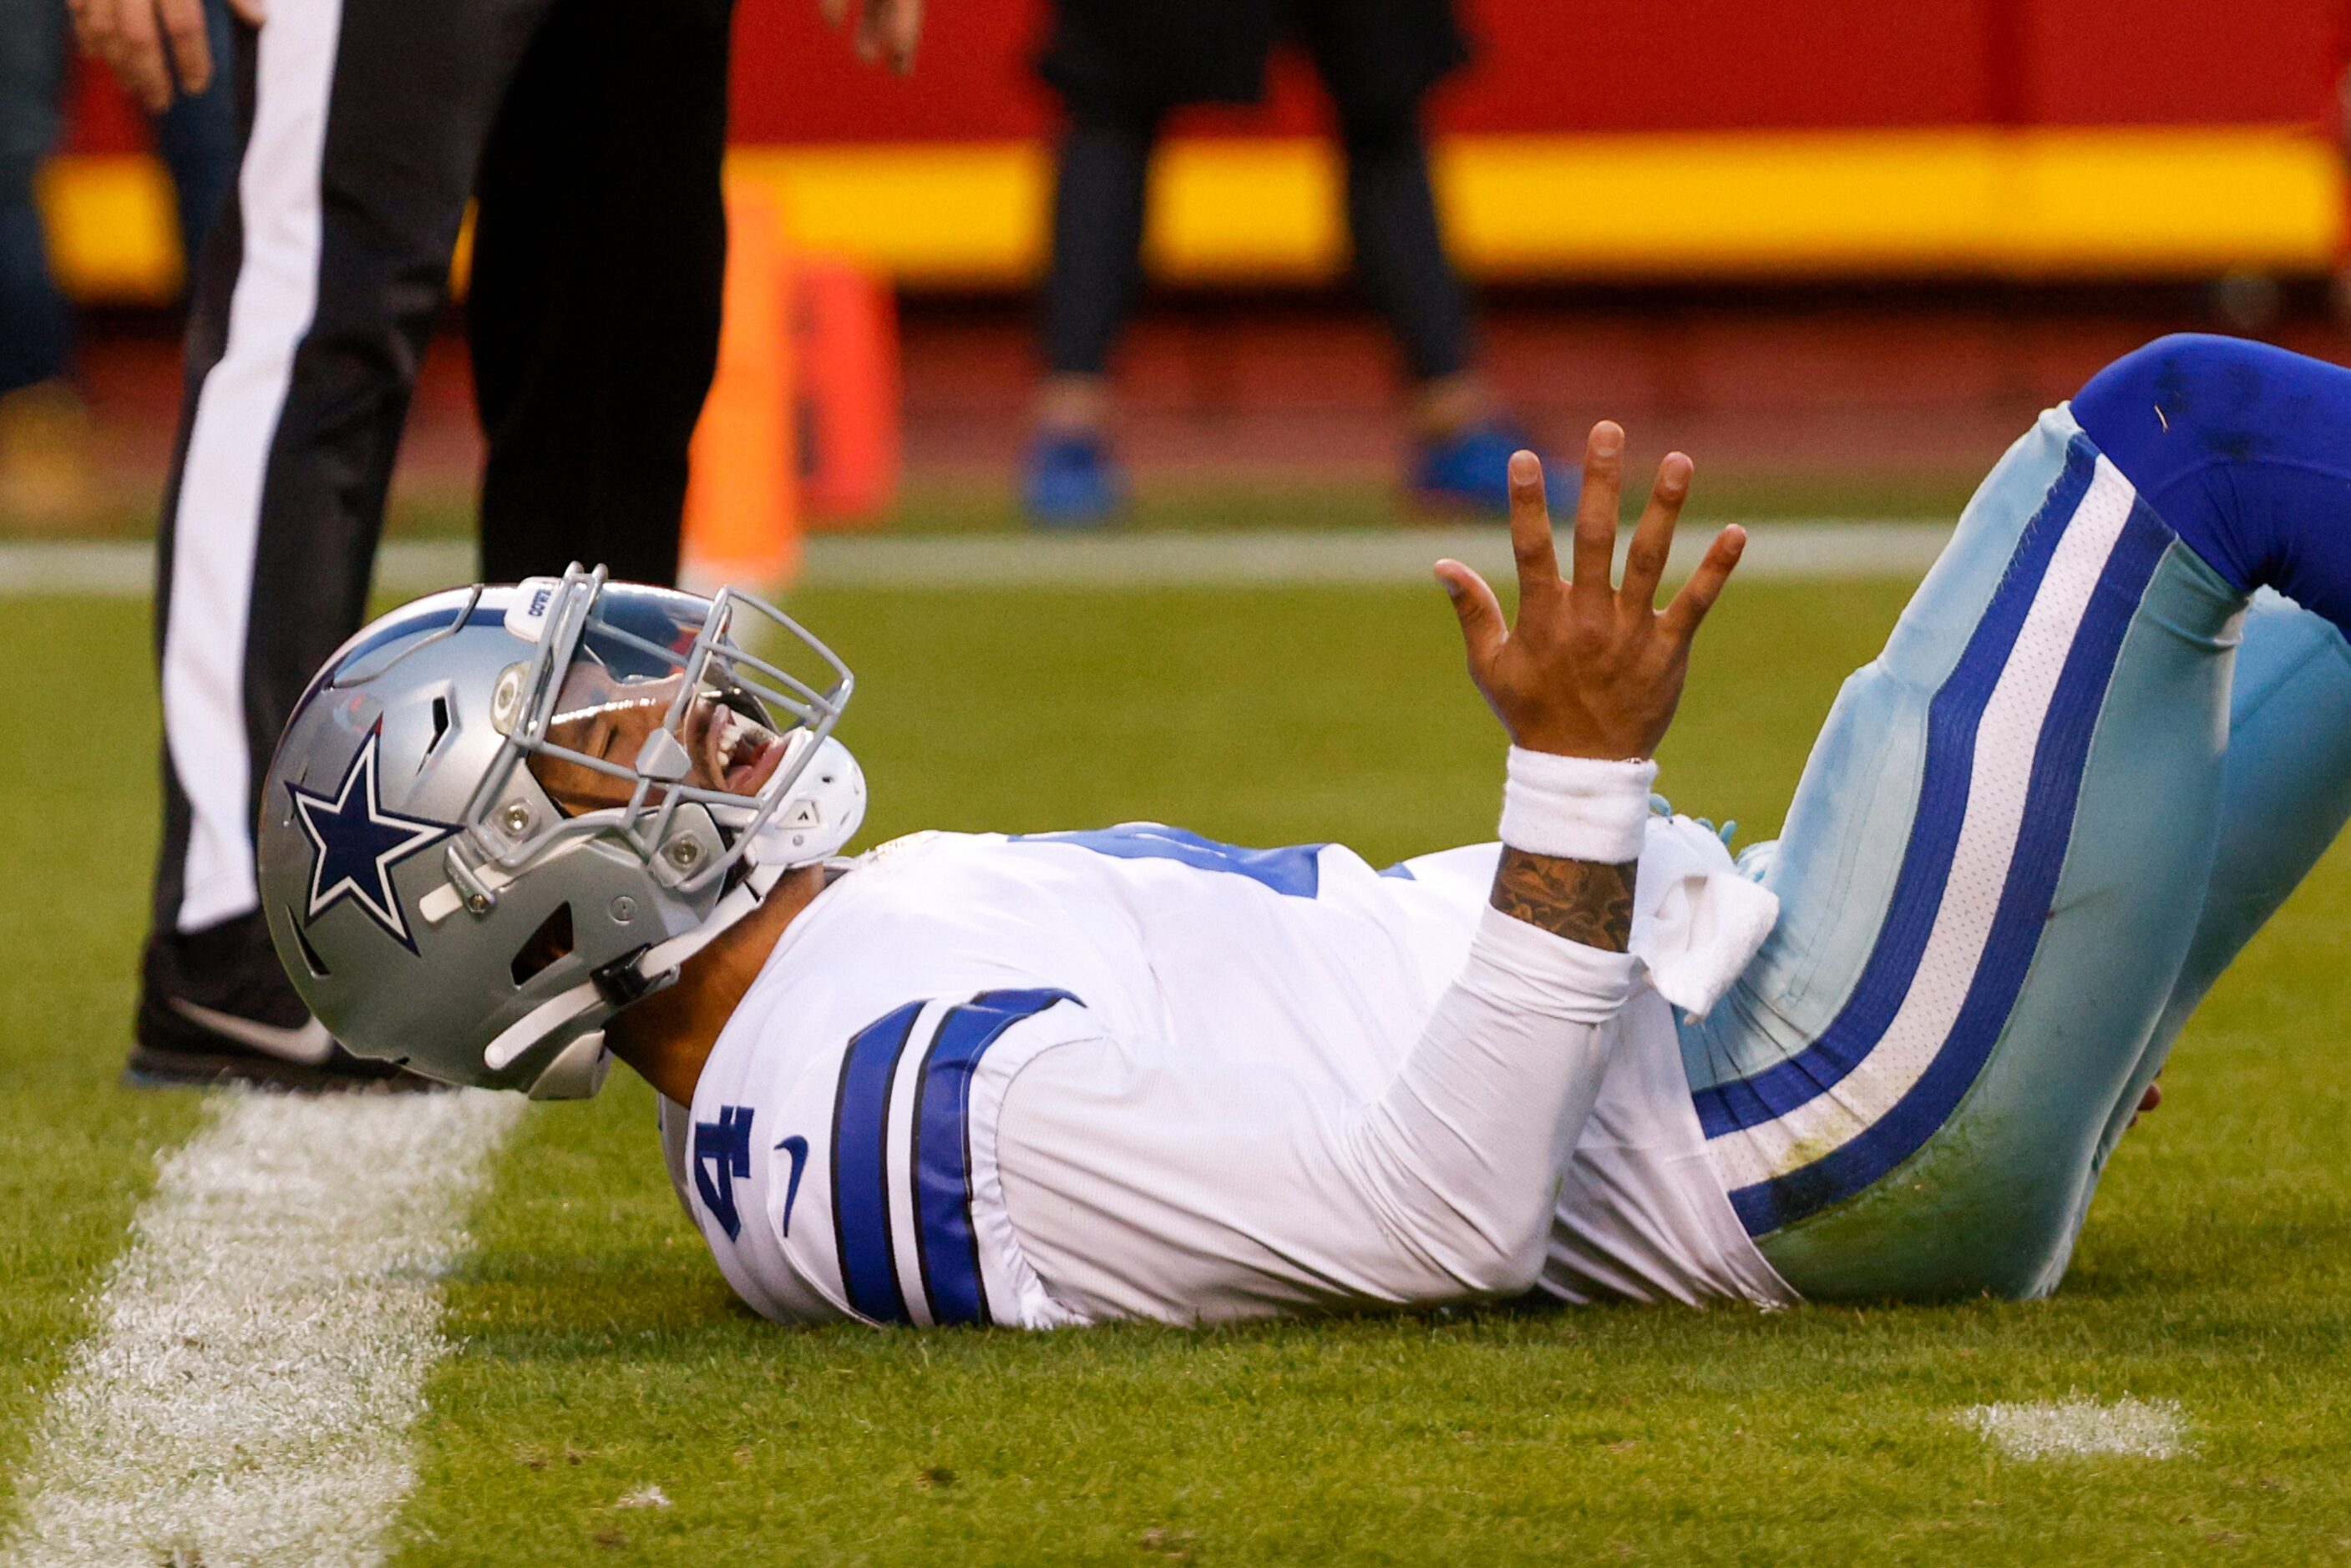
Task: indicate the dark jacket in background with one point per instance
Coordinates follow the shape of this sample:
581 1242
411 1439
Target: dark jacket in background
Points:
1124 56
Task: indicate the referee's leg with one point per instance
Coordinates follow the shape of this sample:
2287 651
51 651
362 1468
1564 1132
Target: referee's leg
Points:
600 256
360 123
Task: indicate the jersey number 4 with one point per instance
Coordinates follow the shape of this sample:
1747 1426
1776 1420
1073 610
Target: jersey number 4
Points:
722 1155
1295 871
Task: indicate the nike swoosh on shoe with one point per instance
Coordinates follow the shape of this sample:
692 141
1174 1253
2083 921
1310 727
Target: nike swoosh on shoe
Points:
310 1044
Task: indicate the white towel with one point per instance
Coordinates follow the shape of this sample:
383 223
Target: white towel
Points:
1697 922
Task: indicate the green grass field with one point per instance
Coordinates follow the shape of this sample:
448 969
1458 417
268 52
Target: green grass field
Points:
935 506
600 1352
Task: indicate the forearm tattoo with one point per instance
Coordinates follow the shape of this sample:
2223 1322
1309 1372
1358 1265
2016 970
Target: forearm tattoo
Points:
1583 901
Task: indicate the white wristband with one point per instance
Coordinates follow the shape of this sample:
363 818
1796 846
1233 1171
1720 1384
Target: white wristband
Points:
1576 807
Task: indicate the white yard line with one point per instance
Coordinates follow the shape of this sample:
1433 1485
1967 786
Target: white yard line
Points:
260 1350
1261 559
2079 1427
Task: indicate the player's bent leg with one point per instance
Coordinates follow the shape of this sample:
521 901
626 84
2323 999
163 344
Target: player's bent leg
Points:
1984 884
2285 796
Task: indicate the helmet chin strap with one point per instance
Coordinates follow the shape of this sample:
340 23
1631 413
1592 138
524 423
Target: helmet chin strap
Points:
663 959
589 1005
786 842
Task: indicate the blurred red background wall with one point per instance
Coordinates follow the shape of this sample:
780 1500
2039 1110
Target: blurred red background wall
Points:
1696 138
1549 66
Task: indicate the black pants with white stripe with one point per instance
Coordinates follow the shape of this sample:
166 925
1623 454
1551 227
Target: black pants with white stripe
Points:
592 131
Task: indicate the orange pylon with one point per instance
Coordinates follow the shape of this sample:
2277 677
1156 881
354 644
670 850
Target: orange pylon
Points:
848 392
742 500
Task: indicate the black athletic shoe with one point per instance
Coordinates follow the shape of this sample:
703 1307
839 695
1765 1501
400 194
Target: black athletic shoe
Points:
214 1008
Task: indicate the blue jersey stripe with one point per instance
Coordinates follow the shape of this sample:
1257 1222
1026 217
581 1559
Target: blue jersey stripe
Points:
2059 758
947 1247
1295 871
1952 717
860 1166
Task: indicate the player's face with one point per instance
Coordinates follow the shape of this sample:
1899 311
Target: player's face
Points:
598 716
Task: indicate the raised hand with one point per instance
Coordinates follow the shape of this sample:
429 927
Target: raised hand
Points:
886 29
1589 670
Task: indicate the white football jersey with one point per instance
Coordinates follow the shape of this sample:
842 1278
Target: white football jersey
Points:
1069 1077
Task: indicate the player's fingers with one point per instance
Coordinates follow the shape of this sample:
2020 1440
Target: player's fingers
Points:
1531 540
89 32
1595 512
905 33
252 13
1483 630
102 40
135 21
2152 1098
192 53
1652 537
1682 617
142 55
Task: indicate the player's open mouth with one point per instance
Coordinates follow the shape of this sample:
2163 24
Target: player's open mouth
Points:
737 754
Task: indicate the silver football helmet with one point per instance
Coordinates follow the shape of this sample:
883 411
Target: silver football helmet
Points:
501 815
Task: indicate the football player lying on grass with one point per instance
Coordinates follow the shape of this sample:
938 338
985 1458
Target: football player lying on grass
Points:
1068 1077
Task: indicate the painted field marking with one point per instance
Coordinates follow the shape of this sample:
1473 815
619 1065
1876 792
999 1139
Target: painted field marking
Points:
260 1350
2081 1427
1280 559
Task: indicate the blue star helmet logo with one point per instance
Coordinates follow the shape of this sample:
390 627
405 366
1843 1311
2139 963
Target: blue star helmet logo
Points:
356 844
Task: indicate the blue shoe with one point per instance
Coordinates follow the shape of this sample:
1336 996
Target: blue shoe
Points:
1469 472
1071 482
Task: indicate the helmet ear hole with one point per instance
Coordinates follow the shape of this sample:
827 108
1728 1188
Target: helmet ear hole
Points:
545 946
310 954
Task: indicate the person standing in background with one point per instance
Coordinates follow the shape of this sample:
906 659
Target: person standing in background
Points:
1120 67
46 479
593 133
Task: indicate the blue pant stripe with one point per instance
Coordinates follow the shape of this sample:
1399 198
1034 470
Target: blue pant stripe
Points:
947 1247
2060 755
861 1167
1951 721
